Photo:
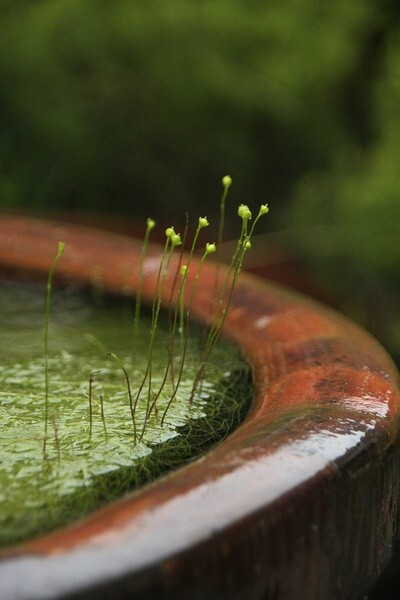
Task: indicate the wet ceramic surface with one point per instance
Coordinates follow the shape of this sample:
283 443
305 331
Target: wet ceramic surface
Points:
300 501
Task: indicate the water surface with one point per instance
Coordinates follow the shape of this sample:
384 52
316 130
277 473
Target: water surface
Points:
88 460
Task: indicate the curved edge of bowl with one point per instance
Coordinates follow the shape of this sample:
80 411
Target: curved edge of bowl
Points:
300 501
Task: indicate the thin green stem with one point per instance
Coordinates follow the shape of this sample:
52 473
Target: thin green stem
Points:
189 307
154 330
243 245
103 418
155 295
172 323
218 330
56 439
221 298
170 346
143 252
60 252
203 222
226 182
132 406
215 331
177 271
156 311
181 328
221 224
90 406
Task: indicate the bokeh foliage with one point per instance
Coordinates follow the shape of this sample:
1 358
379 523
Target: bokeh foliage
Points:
138 107
109 104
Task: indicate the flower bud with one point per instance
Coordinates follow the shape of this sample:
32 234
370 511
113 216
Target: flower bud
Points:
203 222
150 224
264 209
244 212
184 270
227 181
176 239
247 245
210 248
169 232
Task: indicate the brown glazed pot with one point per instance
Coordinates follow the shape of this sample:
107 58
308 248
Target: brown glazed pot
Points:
300 502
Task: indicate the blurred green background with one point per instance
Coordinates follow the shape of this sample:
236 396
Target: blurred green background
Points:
139 108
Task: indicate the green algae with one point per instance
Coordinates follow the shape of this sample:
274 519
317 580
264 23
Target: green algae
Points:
89 462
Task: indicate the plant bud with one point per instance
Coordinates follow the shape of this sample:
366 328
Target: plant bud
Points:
150 224
203 222
244 212
176 239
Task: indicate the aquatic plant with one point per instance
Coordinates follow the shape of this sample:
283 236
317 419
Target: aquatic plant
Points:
179 306
179 315
225 297
107 420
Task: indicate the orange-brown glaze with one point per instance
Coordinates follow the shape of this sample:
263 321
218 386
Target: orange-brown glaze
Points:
300 501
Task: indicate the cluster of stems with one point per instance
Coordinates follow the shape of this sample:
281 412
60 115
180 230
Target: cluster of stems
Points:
225 295
148 393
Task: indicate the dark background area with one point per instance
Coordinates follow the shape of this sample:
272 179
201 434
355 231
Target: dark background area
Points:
139 109
126 109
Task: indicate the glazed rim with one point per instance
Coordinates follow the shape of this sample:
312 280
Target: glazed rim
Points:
300 501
